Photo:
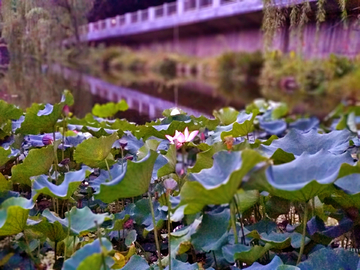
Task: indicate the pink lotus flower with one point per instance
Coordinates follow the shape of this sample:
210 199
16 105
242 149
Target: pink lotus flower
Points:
180 138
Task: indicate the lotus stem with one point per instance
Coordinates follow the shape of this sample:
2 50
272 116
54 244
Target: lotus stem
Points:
155 231
216 266
169 230
233 222
63 140
183 152
102 253
108 168
68 234
306 212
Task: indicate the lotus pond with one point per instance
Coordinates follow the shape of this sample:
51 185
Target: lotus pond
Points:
257 189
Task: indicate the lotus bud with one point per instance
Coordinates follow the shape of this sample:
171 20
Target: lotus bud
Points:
170 184
66 110
47 139
123 143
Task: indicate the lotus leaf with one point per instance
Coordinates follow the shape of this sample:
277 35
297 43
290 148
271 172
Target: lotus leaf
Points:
13 215
37 162
90 256
218 184
109 109
275 264
136 262
134 181
82 220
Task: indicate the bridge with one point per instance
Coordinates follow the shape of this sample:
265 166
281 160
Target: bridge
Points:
210 27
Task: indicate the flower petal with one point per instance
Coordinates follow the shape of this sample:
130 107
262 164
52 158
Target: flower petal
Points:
181 138
171 139
186 133
192 135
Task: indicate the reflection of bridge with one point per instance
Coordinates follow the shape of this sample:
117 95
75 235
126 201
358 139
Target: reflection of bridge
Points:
210 27
143 103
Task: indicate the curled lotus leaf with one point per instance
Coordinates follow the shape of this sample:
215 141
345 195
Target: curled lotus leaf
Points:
275 264
13 215
90 256
297 142
81 220
308 175
41 184
218 184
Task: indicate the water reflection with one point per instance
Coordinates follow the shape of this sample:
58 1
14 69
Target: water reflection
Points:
147 94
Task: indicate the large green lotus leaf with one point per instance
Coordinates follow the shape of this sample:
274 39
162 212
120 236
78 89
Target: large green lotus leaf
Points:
226 116
82 220
204 160
109 109
212 232
134 181
298 142
90 256
242 127
205 122
72 180
40 118
136 262
325 259
275 264
281 157
245 199
13 215
276 206
180 240
54 231
37 162
179 265
277 240
307 176
350 184
246 254
94 151
4 155
218 184
8 112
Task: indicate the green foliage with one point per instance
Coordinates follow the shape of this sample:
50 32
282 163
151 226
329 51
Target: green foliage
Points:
240 202
109 109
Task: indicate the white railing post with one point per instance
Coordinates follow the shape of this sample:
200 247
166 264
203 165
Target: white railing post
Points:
108 23
216 3
128 18
180 7
91 27
165 9
151 13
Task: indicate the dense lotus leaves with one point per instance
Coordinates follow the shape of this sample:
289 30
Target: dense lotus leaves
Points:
132 144
306 176
5 185
109 109
72 180
90 256
305 124
8 194
276 206
212 232
325 259
13 215
37 162
120 219
141 214
324 235
349 184
41 118
204 160
263 226
136 262
179 265
94 151
218 184
243 125
247 254
275 264
276 127
298 142
134 181
180 239
82 220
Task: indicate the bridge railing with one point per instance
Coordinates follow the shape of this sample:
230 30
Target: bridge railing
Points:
178 8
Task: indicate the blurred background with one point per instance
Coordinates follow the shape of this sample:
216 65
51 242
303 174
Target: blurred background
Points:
198 55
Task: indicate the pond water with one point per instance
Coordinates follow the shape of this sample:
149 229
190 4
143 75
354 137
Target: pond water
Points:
147 94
